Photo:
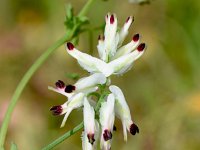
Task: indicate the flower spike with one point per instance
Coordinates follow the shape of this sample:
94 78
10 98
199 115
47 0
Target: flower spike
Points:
115 59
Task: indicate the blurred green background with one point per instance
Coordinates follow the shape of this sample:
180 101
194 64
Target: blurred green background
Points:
162 89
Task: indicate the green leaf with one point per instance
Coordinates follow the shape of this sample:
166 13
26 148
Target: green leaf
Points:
13 146
72 21
69 11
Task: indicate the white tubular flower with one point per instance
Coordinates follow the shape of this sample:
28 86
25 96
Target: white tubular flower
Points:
107 121
125 62
89 121
86 145
114 58
75 93
89 63
110 32
123 112
124 30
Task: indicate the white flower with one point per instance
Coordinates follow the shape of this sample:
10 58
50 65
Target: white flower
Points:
107 117
89 121
123 112
114 58
91 127
75 93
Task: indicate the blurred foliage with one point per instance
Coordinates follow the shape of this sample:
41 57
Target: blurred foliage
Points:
162 89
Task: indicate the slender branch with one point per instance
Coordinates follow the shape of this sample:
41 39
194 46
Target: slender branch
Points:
63 137
23 83
30 73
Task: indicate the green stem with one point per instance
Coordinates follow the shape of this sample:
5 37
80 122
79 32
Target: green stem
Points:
63 137
30 73
23 83
85 9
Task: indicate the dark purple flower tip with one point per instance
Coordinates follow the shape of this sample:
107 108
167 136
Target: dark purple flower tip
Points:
136 37
91 138
141 47
56 110
70 46
60 84
112 19
134 129
127 19
107 135
99 37
114 128
69 88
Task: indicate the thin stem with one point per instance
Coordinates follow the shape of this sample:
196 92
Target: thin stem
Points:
30 73
63 137
85 9
23 83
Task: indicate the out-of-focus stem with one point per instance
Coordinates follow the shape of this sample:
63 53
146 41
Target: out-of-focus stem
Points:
30 73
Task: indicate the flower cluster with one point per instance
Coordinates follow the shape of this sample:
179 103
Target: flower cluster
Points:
114 59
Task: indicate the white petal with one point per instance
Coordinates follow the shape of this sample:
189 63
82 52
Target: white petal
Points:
126 48
107 120
124 30
90 82
107 113
89 117
101 49
121 109
110 35
74 102
89 63
61 91
124 63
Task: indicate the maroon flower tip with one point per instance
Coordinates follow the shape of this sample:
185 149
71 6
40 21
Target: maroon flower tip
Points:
114 128
91 138
136 37
56 110
99 37
141 47
69 88
60 84
112 19
134 129
127 19
70 46
107 135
